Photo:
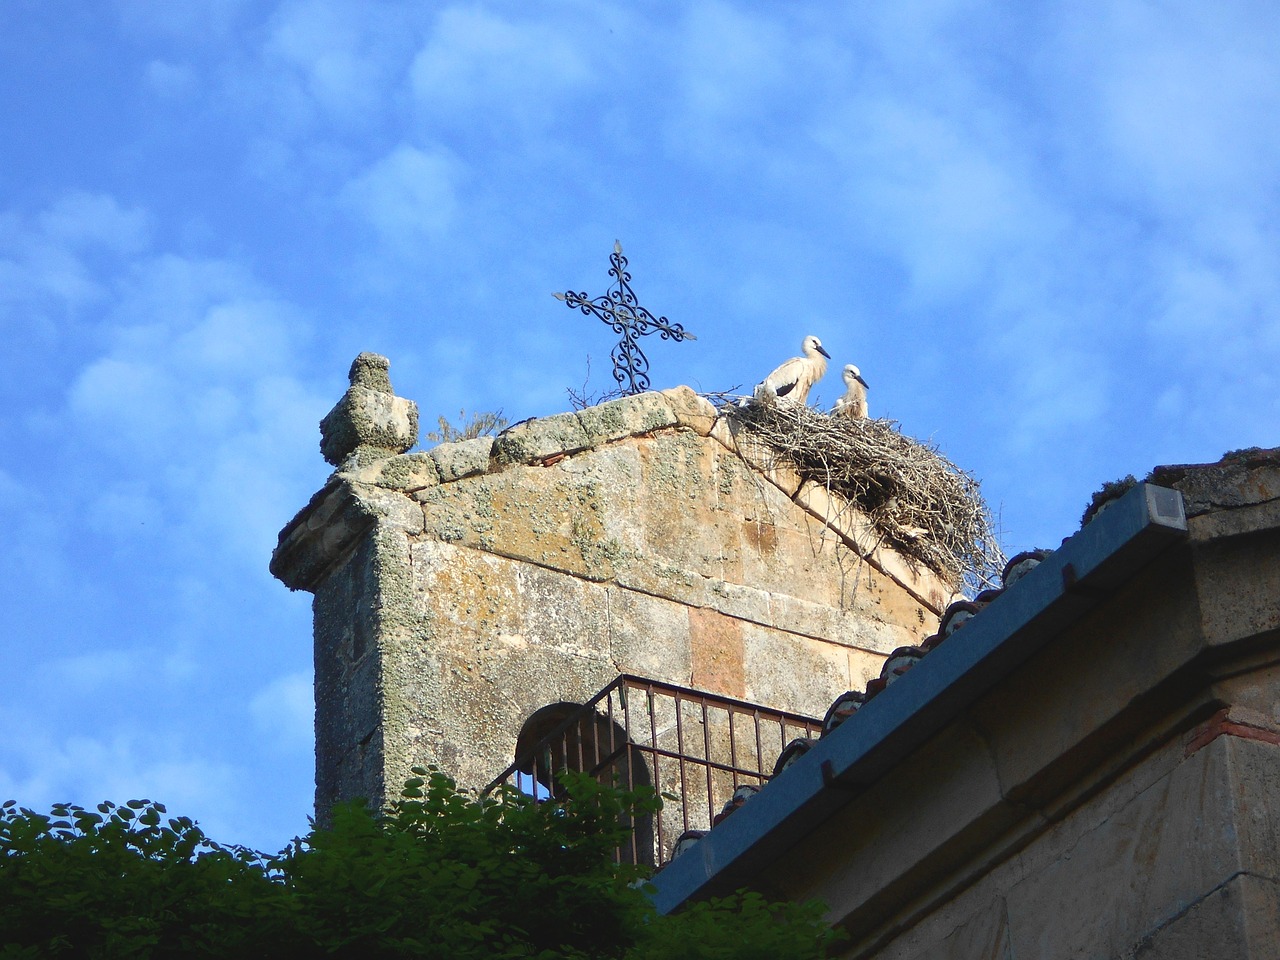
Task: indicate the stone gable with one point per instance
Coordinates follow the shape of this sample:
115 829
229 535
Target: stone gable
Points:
458 590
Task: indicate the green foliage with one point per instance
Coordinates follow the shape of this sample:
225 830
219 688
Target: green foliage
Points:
745 926
439 874
444 874
126 881
482 424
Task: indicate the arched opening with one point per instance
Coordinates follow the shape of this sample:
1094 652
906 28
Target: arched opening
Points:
570 736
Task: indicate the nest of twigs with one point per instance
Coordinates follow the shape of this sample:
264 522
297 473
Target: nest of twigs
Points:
918 502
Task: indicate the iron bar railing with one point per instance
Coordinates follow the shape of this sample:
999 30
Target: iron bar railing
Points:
641 732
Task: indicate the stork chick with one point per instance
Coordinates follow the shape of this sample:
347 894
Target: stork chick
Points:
854 402
790 383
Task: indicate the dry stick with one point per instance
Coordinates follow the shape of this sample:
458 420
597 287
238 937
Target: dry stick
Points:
917 501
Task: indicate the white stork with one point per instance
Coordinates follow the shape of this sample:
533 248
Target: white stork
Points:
790 382
854 402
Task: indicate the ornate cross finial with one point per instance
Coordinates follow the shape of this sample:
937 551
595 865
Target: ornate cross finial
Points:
621 311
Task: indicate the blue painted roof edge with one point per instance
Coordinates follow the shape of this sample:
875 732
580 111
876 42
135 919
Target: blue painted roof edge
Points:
1118 542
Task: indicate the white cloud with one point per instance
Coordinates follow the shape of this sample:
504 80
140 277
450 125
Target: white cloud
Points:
729 87
306 88
44 259
171 80
92 219
1186 98
408 196
182 400
477 62
192 21
950 205
91 672
344 55
189 384
284 712
171 291
129 402
1058 393
239 339
125 510
12 493
731 62
120 766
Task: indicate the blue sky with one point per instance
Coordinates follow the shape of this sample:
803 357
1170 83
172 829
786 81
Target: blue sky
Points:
1047 232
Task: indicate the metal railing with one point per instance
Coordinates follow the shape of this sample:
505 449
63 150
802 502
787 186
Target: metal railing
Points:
693 747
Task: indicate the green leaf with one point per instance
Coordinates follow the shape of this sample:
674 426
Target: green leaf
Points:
443 874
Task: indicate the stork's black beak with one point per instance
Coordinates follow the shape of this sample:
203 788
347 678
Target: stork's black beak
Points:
863 382
823 352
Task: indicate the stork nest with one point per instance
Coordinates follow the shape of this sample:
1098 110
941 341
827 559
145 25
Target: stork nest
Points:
919 503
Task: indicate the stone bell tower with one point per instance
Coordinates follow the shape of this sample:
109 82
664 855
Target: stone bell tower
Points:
462 589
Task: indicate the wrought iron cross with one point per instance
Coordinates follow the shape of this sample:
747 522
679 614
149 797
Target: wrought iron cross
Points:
621 311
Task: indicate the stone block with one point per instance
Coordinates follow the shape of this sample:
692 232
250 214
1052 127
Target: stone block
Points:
408 473
1039 726
764 459
717 653
783 668
982 936
1255 771
697 413
783 476
739 601
1239 478
836 512
538 439
564 613
649 636
903 832
1239 920
390 507
723 434
333 523
467 595
802 560
877 636
626 417
856 530
659 578
851 628
545 516
368 418
362 700
680 503
863 668
1239 588
1066 904
1261 898
465 458
1235 522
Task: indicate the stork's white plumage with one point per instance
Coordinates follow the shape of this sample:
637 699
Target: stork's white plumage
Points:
854 402
791 382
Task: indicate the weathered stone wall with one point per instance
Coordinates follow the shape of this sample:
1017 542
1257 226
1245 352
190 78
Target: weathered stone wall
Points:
1176 857
1115 797
460 589
662 557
